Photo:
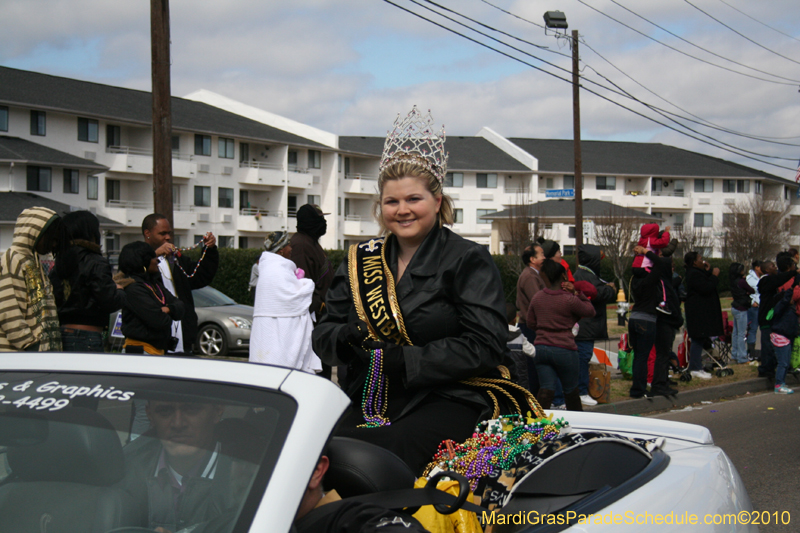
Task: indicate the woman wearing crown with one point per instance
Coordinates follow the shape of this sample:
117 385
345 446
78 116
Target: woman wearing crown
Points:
416 312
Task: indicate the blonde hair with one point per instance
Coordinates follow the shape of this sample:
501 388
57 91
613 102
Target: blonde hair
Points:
407 169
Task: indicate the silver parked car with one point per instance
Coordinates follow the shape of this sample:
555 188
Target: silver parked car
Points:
223 326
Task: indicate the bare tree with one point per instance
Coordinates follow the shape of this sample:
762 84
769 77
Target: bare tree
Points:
754 228
616 235
691 238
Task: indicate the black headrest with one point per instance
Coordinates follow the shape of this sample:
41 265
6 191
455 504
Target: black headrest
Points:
81 447
358 467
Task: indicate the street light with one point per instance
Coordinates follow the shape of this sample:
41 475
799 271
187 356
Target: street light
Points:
557 20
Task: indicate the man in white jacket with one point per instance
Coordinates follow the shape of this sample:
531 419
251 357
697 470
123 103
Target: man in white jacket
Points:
282 324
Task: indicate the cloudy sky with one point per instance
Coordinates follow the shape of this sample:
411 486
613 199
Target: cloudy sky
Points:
349 66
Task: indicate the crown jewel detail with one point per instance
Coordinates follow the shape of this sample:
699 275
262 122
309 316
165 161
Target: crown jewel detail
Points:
413 139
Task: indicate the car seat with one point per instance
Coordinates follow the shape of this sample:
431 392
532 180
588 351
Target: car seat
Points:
64 468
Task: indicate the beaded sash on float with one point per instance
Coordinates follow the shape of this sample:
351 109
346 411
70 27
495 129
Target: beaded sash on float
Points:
375 300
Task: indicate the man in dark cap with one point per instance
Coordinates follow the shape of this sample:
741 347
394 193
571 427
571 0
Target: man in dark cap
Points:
309 255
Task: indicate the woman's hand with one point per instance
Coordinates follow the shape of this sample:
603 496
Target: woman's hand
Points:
568 286
354 333
639 250
392 354
165 309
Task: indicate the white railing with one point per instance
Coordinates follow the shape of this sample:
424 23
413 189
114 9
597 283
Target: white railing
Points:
636 193
133 150
355 218
183 207
295 168
359 176
260 164
515 190
129 204
253 211
681 193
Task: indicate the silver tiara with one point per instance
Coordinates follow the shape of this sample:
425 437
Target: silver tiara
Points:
413 140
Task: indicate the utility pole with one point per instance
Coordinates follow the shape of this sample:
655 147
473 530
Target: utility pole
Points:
576 128
162 112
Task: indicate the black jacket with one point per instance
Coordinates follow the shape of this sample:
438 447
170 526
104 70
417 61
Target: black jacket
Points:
184 285
596 327
767 289
646 288
453 306
664 267
142 317
703 310
90 294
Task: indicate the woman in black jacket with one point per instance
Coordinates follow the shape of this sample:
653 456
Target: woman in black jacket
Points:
83 286
433 299
149 309
703 310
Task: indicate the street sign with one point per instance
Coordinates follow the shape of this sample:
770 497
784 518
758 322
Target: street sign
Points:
559 193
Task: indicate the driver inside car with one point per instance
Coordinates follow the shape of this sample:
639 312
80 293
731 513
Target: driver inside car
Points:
182 477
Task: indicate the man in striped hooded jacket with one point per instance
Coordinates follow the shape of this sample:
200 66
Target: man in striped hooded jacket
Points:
28 315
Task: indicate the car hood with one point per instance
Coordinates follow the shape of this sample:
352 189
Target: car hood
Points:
635 426
244 311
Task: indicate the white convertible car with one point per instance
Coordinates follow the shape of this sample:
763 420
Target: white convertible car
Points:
78 454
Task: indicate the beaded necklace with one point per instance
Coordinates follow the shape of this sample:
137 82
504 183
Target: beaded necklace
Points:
177 254
163 299
494 444
373 398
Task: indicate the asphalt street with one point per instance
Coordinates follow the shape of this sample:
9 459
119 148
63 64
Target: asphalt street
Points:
761 435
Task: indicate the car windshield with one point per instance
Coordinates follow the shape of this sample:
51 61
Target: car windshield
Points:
102 452
208 297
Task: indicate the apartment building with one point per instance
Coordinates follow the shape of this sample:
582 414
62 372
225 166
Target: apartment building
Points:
241 172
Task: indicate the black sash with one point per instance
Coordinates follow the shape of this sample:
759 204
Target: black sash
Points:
372 285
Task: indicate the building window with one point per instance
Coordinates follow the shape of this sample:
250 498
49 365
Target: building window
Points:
202 144
176 195
291 205
312 199
292 159
346 208
339 206
346 166
244 199
38 123
728 220
743 186
703 185
243 243
607 183
678 221
569 182
70 181
482 212
113 135
758 187
458 216
569 249
339 162
202 196
549 183
226 148
225 197
113 243
3 118
454 179
703 220
176 143
314 159
571 232
87 130
91 187
487 181
198 239
113 191
225 241
39 179
728 186
244 152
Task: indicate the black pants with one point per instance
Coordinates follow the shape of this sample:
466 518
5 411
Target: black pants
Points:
665 337
533 377
642 337
415 438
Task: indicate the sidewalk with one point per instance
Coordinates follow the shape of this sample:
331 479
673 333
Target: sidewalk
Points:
710 393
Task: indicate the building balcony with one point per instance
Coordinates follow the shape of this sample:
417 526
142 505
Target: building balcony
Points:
256 220
300 179
128 211
360 184
135 160
258 173
359 226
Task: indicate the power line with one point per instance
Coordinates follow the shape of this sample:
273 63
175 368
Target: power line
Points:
762 23
735 150
741 34
703 121
700 47
681 51
700 120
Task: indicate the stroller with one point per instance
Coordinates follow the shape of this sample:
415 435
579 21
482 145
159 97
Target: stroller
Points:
717 365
